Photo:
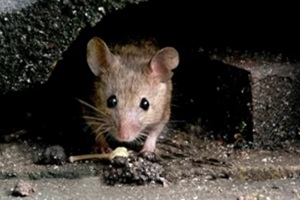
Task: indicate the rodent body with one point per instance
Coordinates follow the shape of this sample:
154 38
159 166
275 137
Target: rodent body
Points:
132 91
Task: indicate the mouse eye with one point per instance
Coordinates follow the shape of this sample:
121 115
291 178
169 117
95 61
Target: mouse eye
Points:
144 104
112 101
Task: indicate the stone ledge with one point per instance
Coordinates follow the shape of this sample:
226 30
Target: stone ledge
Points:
275 87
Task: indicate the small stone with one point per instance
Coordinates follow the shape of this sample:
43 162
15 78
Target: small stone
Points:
23 189
53 155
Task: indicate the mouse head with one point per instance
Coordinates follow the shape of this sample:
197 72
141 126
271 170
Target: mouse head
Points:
133 91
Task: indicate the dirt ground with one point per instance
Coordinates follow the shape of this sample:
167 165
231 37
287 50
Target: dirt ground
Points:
188 160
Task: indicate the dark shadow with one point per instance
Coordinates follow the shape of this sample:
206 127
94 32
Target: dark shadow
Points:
51 112
215 95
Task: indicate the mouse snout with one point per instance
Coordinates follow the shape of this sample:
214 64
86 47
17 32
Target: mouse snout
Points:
127 131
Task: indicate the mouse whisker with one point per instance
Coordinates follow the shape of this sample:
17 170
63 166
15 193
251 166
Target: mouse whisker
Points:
94 118
101 128
90 106
100 132
108 136
98 135
95 122
91 123
142 136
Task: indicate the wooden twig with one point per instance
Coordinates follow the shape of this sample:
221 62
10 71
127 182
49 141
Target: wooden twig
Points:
120 151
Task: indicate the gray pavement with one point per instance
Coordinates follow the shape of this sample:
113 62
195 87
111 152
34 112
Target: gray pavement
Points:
93 188
17 160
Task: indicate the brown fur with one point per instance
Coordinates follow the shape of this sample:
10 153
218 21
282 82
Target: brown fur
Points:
130 72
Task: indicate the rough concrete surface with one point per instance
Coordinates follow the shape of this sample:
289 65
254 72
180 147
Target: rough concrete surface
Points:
90 188
12 5
33 38
195 168
275 86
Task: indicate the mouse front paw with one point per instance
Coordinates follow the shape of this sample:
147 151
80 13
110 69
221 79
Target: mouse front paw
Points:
148 155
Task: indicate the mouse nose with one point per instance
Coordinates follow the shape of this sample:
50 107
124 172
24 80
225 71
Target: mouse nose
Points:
127 131
123 135
123 132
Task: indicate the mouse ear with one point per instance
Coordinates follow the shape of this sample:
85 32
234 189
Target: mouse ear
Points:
163 62
99 56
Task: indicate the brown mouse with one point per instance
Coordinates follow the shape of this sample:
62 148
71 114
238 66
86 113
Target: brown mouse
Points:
132 92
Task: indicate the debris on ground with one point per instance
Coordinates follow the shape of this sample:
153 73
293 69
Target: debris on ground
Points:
136 169
54 155
127 166
23 189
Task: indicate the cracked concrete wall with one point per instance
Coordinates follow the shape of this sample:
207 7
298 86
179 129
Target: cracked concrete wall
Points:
33 35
